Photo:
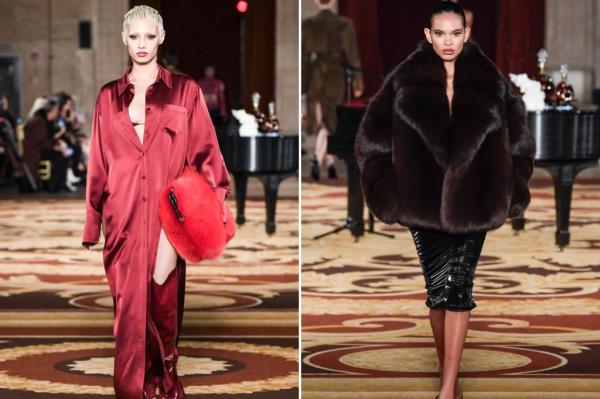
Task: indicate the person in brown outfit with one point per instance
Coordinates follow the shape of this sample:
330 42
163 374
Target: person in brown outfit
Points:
328 41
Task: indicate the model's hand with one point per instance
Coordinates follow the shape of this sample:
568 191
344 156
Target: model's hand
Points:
358 93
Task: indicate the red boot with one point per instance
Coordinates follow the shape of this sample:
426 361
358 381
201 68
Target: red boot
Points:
165 314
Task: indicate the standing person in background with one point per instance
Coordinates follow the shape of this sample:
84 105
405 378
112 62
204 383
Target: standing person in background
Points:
328 40
214 95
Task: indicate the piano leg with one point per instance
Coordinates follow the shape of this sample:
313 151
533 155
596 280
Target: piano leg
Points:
563 175
271 185
356 202
241 185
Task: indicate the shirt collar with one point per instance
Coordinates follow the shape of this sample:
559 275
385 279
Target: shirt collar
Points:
164 75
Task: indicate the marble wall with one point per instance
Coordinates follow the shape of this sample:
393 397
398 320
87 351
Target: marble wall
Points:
287 69
44 36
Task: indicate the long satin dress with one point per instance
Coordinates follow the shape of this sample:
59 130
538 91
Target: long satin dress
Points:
124 178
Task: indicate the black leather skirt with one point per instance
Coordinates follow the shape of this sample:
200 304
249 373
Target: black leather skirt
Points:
448 262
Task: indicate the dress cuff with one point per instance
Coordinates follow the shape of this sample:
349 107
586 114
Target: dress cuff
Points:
222 194
91 228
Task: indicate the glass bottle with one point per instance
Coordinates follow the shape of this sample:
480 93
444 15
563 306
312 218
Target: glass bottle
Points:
544 78
273 120
261 119
564 91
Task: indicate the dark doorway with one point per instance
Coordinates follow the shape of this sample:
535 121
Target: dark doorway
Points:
10 83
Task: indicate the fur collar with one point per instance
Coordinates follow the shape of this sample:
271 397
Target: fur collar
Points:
477 105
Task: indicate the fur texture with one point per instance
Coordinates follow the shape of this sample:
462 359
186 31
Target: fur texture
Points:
202 234
460 171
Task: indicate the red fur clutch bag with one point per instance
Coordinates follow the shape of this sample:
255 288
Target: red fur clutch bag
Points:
192 216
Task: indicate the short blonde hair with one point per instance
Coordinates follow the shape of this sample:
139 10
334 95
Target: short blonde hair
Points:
142 12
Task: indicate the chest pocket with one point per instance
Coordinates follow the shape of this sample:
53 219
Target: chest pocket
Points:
174 119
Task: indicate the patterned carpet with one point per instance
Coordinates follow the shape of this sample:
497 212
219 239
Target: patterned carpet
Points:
240 327
534 334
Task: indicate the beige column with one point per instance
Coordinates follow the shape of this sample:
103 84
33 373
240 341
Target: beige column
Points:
44 36
71 67
110 55
287 69
596 39
24 31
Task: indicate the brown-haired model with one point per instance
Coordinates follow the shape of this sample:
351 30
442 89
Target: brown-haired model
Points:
444 149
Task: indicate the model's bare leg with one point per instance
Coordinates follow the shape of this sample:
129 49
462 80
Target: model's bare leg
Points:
166 259
455 332
436 319
321 145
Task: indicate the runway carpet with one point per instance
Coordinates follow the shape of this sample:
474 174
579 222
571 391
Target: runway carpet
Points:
240 326
534 334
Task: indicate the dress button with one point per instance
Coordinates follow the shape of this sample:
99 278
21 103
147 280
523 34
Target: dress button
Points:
144 177
147 109
144 199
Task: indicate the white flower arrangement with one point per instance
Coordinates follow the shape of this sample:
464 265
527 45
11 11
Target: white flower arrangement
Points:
249 126
533 95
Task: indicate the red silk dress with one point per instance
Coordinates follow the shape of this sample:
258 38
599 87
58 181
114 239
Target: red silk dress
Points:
123 181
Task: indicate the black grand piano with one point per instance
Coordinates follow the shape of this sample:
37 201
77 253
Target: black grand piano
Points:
567 142
270 158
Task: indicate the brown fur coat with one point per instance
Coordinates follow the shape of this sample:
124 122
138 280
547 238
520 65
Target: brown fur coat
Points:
457 172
